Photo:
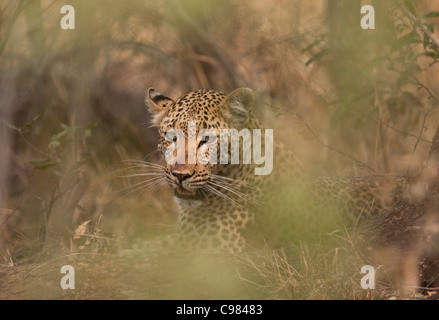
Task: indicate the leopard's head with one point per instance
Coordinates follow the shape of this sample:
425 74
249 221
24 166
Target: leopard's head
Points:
189 129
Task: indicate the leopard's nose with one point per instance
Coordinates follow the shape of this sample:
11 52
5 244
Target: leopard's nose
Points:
181 176
182 171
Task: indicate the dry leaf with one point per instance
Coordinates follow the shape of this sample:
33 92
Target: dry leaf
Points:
80 230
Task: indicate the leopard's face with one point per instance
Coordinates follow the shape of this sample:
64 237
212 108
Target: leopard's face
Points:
189 128
192 115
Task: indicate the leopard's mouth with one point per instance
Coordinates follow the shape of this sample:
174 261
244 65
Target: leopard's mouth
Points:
186 194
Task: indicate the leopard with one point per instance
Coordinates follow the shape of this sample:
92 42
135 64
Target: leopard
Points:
225 207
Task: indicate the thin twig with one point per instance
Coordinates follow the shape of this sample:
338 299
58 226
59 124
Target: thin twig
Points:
423 126
435 105
332 148
426 89
408 134
423 288
422 26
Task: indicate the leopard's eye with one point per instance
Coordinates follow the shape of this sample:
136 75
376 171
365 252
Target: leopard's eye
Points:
171 137
204 140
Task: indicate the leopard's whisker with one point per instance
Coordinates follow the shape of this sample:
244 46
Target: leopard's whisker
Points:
138 167
143 163
156 184
222 195
144 183
136 170
217 192
163 184
228 188
151 154
145 187
142 174
241 195
231 181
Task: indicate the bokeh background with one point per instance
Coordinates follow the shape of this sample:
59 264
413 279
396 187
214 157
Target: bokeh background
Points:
347 101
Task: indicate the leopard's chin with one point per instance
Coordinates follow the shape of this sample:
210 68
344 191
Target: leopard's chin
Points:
185 194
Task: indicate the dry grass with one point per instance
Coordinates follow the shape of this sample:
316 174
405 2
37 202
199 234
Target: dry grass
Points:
329 269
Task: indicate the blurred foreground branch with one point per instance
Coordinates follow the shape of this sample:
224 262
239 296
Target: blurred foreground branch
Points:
22 5
422 26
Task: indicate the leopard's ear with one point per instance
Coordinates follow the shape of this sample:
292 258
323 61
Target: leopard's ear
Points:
238 105
157 105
